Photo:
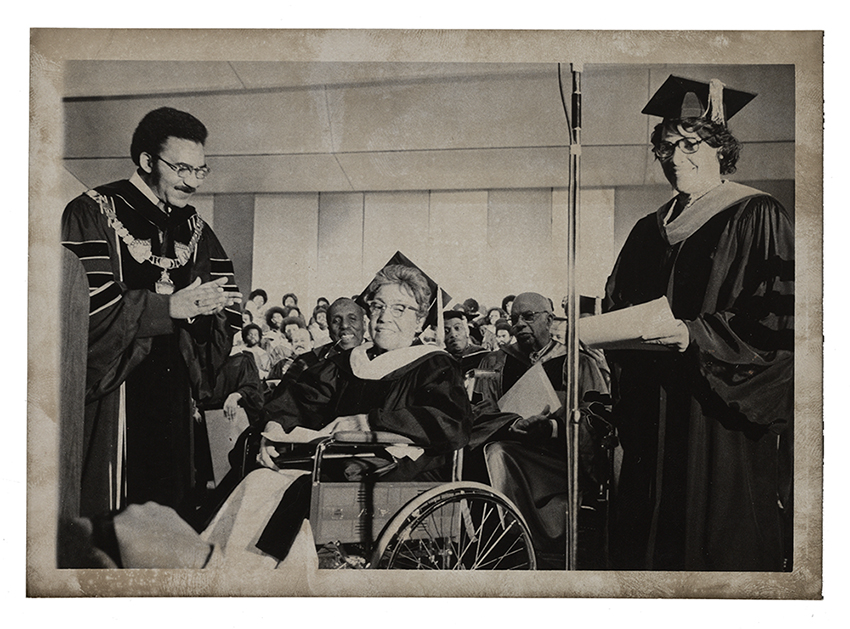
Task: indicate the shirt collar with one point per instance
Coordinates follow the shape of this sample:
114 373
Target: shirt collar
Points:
137 181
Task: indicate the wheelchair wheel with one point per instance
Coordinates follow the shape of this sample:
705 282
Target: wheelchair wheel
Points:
458 526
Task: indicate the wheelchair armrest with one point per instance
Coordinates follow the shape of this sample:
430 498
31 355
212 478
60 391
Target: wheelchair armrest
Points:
376 437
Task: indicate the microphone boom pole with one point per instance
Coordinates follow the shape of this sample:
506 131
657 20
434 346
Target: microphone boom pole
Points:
571 374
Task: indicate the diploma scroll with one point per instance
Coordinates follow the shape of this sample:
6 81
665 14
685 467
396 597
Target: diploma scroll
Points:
626 328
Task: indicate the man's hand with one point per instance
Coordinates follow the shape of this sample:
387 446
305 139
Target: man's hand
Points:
202 299
679 340
536 427
231 406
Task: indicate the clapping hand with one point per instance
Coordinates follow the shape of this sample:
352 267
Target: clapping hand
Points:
202 299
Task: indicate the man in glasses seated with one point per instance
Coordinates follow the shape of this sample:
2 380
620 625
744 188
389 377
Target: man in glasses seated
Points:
163 310
526 456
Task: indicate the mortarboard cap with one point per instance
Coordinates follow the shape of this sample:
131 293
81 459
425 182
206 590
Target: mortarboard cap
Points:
457 314
685 98
399 258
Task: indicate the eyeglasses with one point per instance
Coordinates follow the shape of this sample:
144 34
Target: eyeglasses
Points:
376 308
184 170
527 317
688 146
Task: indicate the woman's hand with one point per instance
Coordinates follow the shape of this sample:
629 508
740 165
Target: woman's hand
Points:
352 423
678 340
267 454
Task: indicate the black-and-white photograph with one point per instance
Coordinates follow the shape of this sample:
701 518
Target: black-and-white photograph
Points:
332 324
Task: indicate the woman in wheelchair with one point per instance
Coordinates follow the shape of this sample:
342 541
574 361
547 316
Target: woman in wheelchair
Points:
388 385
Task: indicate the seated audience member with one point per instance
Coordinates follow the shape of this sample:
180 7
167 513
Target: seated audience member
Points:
290 324
526 456
323 302
346 329
252 336
294 312
275 341
256 305
507 303
318 326
458 342
388 385
238 341
504 333
301 344
488 328
475 319
289 300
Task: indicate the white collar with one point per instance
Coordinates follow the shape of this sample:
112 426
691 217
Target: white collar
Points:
387 362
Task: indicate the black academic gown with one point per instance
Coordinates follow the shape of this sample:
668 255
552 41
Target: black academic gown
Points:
424 400
136 351
707 433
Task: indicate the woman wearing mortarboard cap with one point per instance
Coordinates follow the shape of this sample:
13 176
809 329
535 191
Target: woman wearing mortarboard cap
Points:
706 425
389 384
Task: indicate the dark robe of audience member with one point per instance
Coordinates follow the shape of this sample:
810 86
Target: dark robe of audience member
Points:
526 456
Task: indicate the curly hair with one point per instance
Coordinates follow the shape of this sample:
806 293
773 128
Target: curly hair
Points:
271 311
715 135
163 123
412 280
248 328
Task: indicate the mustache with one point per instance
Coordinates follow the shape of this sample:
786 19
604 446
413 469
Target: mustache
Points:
186 188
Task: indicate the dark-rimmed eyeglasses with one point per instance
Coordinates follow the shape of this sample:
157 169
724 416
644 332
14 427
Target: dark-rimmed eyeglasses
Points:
527 317
396 310
184 170
688 146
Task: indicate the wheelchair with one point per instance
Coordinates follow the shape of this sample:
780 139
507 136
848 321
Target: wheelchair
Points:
410 525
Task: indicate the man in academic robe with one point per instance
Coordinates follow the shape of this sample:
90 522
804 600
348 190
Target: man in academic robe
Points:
163 310
706 423
526 457
458 341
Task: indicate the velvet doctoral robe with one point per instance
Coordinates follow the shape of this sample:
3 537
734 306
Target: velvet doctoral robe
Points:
143 367
707 433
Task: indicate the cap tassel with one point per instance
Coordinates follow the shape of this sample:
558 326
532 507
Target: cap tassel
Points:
715 101
441 331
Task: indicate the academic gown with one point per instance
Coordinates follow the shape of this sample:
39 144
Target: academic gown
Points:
416 392
143 367
533 473
707 433
421 397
